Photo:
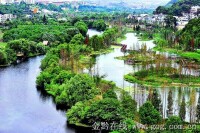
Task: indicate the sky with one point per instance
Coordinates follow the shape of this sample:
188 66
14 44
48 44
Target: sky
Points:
146 3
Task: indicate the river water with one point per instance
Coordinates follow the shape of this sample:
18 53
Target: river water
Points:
23 109
115 70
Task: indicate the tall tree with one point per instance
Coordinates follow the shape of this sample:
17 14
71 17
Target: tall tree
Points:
148 114
182 111
170 103
155 99
44 19
198 109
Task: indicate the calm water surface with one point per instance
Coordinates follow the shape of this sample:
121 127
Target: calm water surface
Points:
23 109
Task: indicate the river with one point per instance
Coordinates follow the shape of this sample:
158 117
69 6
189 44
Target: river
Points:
115 70
24 109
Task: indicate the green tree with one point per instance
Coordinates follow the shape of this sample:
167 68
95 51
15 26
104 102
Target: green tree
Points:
106 110
172 121
129 105
3 58
110 93
155 99
82 27
44 19
148 114
77 113
182 111
77 39
170 103
79 88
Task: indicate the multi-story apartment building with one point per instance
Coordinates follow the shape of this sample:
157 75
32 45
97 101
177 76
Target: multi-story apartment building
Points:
4 17
2 1
30 1
14 1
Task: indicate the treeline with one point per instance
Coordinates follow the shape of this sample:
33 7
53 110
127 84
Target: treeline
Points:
16 9
73 31
41 32
105 40
20 48
182 6
51 7
97 24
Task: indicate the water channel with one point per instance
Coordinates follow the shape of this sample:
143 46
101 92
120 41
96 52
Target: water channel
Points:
25 109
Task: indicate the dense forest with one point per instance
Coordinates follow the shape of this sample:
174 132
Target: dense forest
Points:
178 8
190 34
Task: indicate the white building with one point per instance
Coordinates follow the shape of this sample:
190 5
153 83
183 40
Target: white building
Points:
9 1
194 9
2 1
4 17
30 1
16 1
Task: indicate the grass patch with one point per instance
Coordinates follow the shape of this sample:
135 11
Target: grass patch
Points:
189 55
162 77
1 35
2 45
120 39
102 51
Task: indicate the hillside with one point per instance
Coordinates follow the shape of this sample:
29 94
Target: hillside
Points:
171 3
190 34
178 7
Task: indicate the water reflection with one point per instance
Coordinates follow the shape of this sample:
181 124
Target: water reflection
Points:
116 69
23 109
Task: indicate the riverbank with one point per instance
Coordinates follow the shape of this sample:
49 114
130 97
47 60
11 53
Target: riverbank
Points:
19 50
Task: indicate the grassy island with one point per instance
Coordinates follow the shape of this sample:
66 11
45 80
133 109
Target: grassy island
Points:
162 77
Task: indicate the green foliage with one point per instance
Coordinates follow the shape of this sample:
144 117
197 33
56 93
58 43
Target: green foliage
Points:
96 42
182 111
14 8
130 127
77 39
51 7
128 104
110 93
172 122
148 114
44 78
155 99
77 113
99 25
170 103
40 33
82 27
190 35
3 58
79 88
106 110
9 52
178 8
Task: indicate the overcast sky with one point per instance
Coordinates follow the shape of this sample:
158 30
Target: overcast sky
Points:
130 2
